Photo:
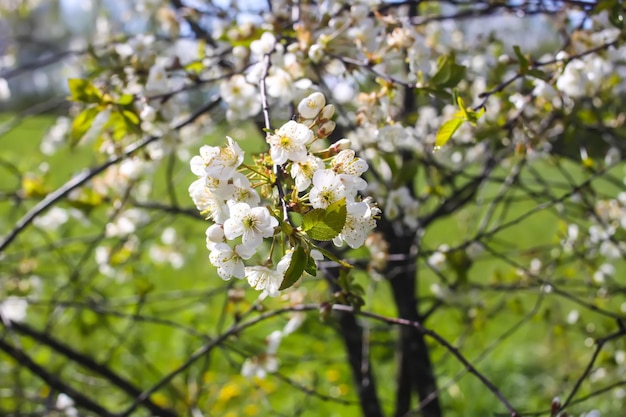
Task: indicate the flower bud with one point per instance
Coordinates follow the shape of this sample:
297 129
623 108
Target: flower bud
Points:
326 129
555 406
327 112
504 59
215 233
148 114
316 53
240 52
309 107
340 145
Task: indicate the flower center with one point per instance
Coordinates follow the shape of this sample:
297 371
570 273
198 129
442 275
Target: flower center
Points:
249 222
327 195
242 194
285 141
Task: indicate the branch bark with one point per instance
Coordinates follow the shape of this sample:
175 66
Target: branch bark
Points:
54 381
351 332
88 363
415 370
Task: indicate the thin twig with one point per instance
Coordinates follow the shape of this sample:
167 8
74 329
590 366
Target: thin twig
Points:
88 174
443 342
80 399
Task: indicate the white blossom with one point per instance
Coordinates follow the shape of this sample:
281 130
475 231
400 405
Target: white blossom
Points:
264 279
239 190
289 143
309 107
5 91
157 81
241 97
302 172
13 308
53 219
163 254
252 224
438 259
218 163
214 235
294 323
208 202
229 261
273 341
327 188
259 366
56 136
360 221
582 77
316 53
263 45
66 404
345 162
126 223
398 200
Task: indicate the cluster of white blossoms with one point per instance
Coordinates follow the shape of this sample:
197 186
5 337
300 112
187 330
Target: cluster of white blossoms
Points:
292 198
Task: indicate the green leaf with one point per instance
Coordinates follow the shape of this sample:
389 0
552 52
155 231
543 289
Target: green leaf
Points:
443 72
473 116
82 123
86 200
131 117
447 130
464 110
311 267
295 219
118 125
457 73
523 61
312 218
299 261
125 100
325 224
538 74
84 91
195 67
448 74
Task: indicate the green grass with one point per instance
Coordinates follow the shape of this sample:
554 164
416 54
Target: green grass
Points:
530 366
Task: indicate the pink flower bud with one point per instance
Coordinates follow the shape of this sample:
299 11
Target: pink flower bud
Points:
326 129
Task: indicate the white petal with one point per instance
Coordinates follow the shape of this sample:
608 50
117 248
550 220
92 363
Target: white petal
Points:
233 228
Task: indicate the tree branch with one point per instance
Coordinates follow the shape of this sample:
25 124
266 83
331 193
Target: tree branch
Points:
90 364
86 175
53 381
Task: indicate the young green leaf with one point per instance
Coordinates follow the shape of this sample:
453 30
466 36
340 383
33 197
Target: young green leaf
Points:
82 123
443 72
325 224
130 117
311 266
523 61
464 110
299 261
84 91
466 114
447 130
448 74
125 99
